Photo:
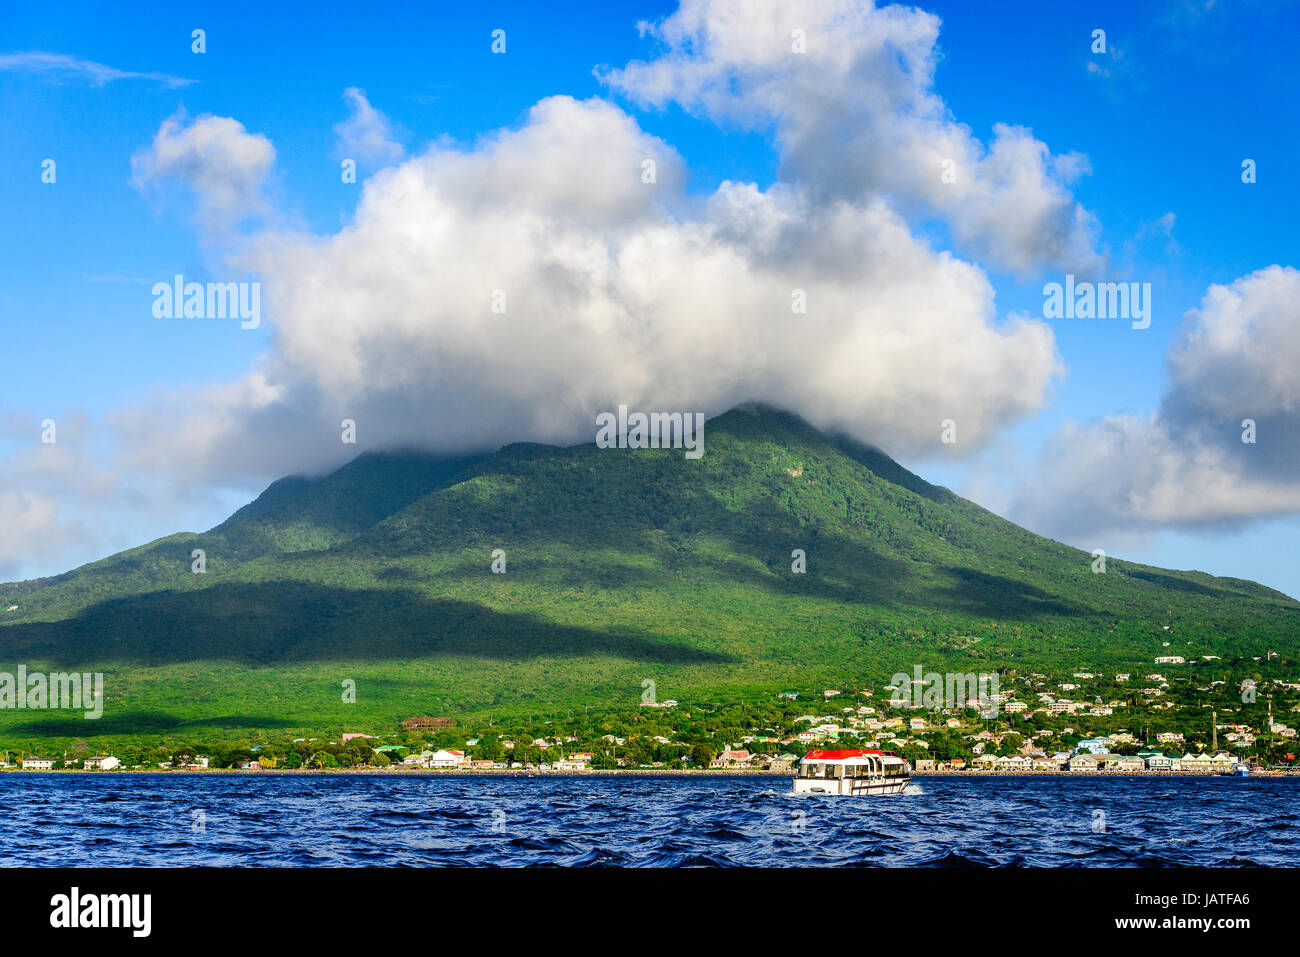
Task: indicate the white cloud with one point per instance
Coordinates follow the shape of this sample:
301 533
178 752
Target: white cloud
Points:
856 116
63 67
1236 357
217 159
623 291
617 291
366 135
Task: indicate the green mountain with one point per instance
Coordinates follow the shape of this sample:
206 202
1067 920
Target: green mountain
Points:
621 567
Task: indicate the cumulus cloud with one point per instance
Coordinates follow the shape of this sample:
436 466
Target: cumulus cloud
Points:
855 116
366 135
616 291
619 285
1236 357
33 531
220 162
74 500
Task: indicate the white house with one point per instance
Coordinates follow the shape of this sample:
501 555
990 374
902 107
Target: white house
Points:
100 762
446 759
38 764
1119 762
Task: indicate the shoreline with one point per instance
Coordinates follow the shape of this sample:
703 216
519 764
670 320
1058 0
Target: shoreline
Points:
637 772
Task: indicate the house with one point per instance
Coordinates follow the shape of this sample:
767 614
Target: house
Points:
1222 761
1170 737
564 764
1084 761
1097 745
38 764
1047 762
446 759
100 762
1119 762
1155 761
729 758
420 760
1014 707
1194 762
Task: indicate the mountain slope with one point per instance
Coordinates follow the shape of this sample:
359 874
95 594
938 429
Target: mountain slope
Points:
293 514
621 566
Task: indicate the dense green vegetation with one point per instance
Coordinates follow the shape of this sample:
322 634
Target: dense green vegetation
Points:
621 567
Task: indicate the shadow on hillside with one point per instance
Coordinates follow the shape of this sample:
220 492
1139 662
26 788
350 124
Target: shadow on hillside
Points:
1182 584
999 597
134 722
286 622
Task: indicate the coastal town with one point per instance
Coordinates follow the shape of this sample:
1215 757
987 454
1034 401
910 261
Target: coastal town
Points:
1179 717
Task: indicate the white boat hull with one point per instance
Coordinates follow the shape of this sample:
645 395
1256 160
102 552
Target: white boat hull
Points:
851 786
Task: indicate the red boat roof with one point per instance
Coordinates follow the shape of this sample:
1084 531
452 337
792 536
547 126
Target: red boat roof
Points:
841 755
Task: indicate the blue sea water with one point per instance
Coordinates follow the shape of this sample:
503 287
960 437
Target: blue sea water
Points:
179 820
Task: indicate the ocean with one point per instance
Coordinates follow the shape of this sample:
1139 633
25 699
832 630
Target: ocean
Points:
341 820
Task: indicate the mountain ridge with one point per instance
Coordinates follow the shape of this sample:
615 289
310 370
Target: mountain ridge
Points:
619 566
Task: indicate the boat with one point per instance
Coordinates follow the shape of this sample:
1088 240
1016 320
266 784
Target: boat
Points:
1241 770
852 772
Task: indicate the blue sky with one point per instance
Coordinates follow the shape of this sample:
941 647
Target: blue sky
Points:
1185 92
